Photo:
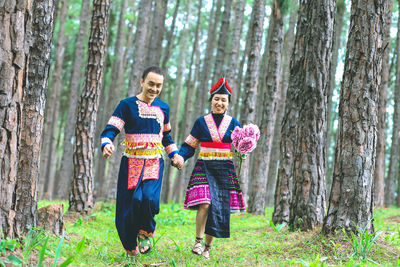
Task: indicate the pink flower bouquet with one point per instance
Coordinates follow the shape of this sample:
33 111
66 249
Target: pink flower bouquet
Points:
244 140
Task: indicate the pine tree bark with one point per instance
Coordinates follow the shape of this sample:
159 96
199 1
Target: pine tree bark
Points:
284 183
271 77
395 148
201 94
53 110
222 41
191 115
32 118
176 107
251 79
81 194
30 42
339 16
157 33
310 72
351 199
233 60
379 174
238 81
273 164
140 47
114 95
66 168
188 117
170 39
167 52
114 161
14 26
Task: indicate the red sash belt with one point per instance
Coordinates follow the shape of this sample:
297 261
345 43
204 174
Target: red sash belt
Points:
216 145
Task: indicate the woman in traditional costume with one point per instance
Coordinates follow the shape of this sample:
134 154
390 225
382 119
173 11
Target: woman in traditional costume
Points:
213 188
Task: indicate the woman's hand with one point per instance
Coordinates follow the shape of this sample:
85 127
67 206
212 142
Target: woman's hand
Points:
178 161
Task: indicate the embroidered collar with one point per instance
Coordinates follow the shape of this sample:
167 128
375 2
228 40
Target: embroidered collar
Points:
217 133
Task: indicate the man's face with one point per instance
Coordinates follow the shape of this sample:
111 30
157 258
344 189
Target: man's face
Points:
152 85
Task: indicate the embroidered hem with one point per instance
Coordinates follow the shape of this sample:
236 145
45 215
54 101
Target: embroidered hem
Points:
146 234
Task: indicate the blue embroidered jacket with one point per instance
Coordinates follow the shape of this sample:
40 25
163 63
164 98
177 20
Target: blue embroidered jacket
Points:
214 140
147 128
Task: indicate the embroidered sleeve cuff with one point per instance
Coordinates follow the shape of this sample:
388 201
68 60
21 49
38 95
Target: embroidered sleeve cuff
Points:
116 122
192 141
105 141
172 154
171 150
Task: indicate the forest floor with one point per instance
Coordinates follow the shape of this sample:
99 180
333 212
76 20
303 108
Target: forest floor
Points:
93 241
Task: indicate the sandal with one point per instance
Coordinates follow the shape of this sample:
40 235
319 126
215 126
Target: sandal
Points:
198 246
133 252
206 252
144 241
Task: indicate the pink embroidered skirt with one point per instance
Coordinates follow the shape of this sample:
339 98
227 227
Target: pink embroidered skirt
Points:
198 190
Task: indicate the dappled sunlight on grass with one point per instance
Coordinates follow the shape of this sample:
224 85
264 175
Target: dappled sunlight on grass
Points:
254 241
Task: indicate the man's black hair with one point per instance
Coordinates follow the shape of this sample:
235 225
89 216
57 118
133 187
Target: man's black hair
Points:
154 69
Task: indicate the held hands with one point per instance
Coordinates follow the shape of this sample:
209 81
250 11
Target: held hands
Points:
108 150
177 161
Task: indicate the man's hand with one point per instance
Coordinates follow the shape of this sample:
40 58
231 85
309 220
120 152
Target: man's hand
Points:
178 161
108 150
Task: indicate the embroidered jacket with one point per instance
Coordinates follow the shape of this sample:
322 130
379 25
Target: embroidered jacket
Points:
215 141
147 129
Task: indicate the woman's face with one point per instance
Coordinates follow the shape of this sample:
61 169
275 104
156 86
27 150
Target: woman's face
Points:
219 103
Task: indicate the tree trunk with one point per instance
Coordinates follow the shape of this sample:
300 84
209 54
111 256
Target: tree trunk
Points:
232 69
157 33
26 43
140 47
114 94
113 164
53 110
202 90
379 174
340 9
168 49
34 99
351 199
51 218
271 76
395 150
175 109
251 80
284 183
14 22
66 168
188 117
222 41
170 39
273 164
310 73
238 81
81 194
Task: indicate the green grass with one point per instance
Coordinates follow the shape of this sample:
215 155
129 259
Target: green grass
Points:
254 242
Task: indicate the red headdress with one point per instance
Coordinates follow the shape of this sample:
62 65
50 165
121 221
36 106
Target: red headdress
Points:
221 87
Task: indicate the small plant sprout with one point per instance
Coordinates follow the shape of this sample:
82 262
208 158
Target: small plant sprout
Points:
362 242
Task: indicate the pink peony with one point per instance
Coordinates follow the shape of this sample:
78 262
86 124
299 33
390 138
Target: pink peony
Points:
246 145
251 130
236 136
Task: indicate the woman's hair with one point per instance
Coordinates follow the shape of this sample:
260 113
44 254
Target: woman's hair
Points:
211 97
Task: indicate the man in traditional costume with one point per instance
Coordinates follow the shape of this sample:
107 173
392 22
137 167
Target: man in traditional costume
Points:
213 188
145 119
